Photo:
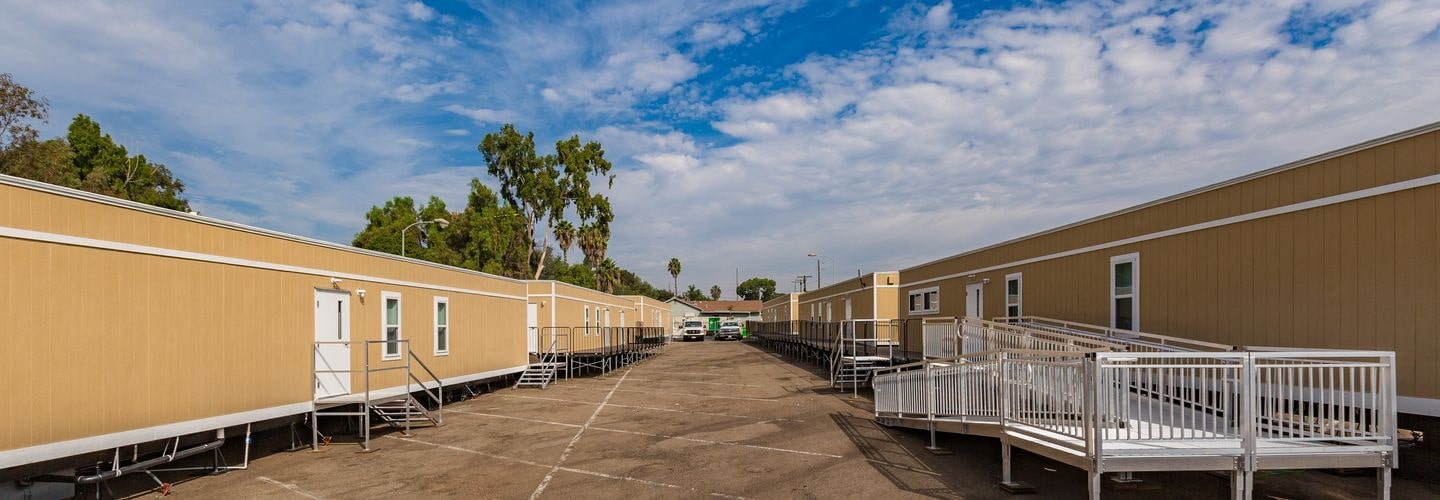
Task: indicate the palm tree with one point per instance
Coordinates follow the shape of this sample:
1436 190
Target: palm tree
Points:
593 240
674 268
715 292
565 237
607 274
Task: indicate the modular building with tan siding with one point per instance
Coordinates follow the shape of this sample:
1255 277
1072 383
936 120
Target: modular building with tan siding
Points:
566 305
786 307
649 311
1341 250
870 296
129 323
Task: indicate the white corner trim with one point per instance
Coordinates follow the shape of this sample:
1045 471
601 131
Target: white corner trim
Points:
61 239
1306 205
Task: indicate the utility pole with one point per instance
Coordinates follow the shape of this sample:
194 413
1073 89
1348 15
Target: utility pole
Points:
804 282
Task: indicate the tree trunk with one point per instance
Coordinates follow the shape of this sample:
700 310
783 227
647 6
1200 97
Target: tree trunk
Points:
544 249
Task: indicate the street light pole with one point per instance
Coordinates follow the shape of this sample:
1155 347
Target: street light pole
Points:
441 222
817 256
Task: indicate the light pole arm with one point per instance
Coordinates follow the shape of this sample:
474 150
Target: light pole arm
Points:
407 228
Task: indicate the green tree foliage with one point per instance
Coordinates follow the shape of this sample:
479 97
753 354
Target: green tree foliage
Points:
674 268
715 292
756 289
607 275
593 241
484 236
693 293
87 158
528 182
44 161
18 106
565 237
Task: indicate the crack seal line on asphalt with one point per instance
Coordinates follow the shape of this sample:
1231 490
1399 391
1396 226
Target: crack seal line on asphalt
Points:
671 410
561 469
662 436
289 487
571 447
693 382
770 400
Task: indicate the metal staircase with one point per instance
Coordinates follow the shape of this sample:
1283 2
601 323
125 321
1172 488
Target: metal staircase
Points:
402 406
403 412
542 373
861 347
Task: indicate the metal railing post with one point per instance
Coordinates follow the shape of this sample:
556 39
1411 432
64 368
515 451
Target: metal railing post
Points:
929 402
408 390
365 419
314 405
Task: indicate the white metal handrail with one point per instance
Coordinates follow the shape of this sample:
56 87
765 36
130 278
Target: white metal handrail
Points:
1101 403
1135 341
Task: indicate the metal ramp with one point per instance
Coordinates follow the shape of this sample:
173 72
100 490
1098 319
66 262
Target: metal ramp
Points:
1158 407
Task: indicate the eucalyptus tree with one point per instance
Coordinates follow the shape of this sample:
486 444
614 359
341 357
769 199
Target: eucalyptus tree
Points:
528 182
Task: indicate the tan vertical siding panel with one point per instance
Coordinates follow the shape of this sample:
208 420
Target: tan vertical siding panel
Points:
1285 306
1406 281
1364 324
1427 289
1385 272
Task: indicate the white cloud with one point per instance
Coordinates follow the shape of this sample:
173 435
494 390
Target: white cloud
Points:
419 11
712 35
482 116
458 132
906 152
938 17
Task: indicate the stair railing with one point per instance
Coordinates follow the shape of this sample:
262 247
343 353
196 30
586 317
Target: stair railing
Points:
437 395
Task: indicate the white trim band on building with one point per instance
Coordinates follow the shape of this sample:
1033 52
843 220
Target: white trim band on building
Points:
61 239
1305 205
165 212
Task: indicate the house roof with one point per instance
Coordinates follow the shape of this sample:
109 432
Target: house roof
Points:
720 306
678 300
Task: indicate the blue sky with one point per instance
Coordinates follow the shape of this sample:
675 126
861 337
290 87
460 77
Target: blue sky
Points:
747 133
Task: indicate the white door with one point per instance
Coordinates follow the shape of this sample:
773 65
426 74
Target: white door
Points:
607 328
332 358
532 326
847 309
975 299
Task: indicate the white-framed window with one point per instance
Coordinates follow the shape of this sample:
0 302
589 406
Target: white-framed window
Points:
390 324
828 310
1125 292
442 326
812 311
1014 286
925 300
586 331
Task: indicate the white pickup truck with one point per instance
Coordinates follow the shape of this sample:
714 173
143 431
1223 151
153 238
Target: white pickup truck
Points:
729 330
692 330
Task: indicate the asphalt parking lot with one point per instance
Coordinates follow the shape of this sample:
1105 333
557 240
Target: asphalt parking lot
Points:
711 419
